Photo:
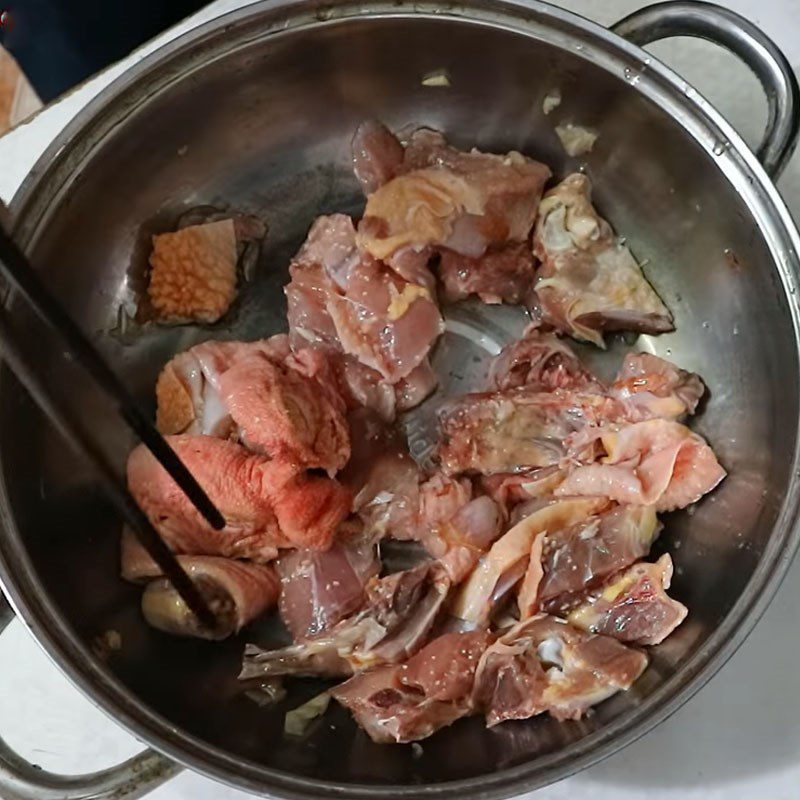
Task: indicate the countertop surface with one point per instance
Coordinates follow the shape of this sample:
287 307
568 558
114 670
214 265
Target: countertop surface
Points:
738 739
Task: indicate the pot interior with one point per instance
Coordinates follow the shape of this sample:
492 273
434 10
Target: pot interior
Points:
262 124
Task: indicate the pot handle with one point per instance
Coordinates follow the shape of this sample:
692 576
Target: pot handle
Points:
20 780
736 34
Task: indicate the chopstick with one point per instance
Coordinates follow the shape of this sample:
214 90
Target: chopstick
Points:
14 265
122 499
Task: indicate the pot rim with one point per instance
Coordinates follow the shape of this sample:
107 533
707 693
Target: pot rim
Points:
537 21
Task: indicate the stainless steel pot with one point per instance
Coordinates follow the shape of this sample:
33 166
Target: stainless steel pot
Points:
255 110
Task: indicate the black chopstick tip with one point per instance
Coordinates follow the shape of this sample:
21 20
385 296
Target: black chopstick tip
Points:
215 519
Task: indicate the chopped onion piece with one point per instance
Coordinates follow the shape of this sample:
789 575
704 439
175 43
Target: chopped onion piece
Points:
552 100
436 79
298 719
268 693
576 139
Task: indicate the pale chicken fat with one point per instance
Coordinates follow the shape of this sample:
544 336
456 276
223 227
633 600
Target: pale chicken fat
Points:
577 140
418 209
446 198
589 281
193 272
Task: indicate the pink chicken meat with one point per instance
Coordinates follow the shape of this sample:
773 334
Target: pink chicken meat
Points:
395 622
266 504
472 211
633 606
283 404
411 701
321 587
357 309
545 665
656 462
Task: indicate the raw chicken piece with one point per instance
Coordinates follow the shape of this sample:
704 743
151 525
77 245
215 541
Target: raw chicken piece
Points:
446 198
414 266
657 462
342 298
541 362
394 624
388 324
504 565
307 305
503 274
420 383
321 588
364 388
187 401
329 248
277 402
589 282
188 392
439 513
634 606
565 563
440 499
383 478
250 233
544 664
508 489
285 414
237 592
652 387
510 430
409 702
266 504
460 541
377 155
193 273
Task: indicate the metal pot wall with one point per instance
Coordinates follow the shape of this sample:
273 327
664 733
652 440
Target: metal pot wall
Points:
255 110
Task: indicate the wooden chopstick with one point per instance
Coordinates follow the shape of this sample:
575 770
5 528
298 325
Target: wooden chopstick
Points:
122 499
14 265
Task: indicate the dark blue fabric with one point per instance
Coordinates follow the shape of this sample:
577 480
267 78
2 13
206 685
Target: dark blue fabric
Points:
59 43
